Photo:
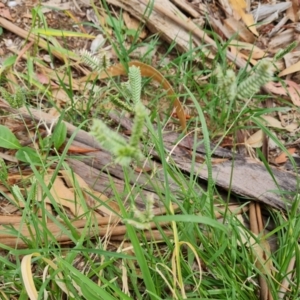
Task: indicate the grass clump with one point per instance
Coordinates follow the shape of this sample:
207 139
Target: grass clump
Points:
194 256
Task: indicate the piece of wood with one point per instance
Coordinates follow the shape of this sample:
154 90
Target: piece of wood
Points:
243 176
101 180
187 7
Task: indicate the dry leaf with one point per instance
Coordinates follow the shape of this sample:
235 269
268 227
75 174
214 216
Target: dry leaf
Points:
8 157
282 40
249 21
76 149
227 142
292 12
134 24
143 170
235 51
291 69
62 195
54 111
282 157
9 209
42 78
275 123
292 89
28 277
252 50
69 179
239 6
60 94
291 58
255 140
101 203
97 43
4 12
94 199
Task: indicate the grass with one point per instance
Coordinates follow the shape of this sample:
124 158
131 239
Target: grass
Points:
202 258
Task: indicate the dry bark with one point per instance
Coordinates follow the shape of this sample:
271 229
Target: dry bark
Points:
243 176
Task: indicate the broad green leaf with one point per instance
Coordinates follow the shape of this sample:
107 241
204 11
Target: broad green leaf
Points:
28 155
7 62
131 32
191 219
59 135
62 33
7 139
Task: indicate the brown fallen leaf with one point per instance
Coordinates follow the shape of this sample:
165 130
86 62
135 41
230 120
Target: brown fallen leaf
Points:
292 90
282 157
134 24
255 140
95 200
292 12
275 123
187 117
239 7
248 49
4 12
237 53
62 195
143 170
76 149
291 69
60 94
42 78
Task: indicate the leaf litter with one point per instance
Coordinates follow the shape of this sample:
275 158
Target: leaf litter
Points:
259 30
